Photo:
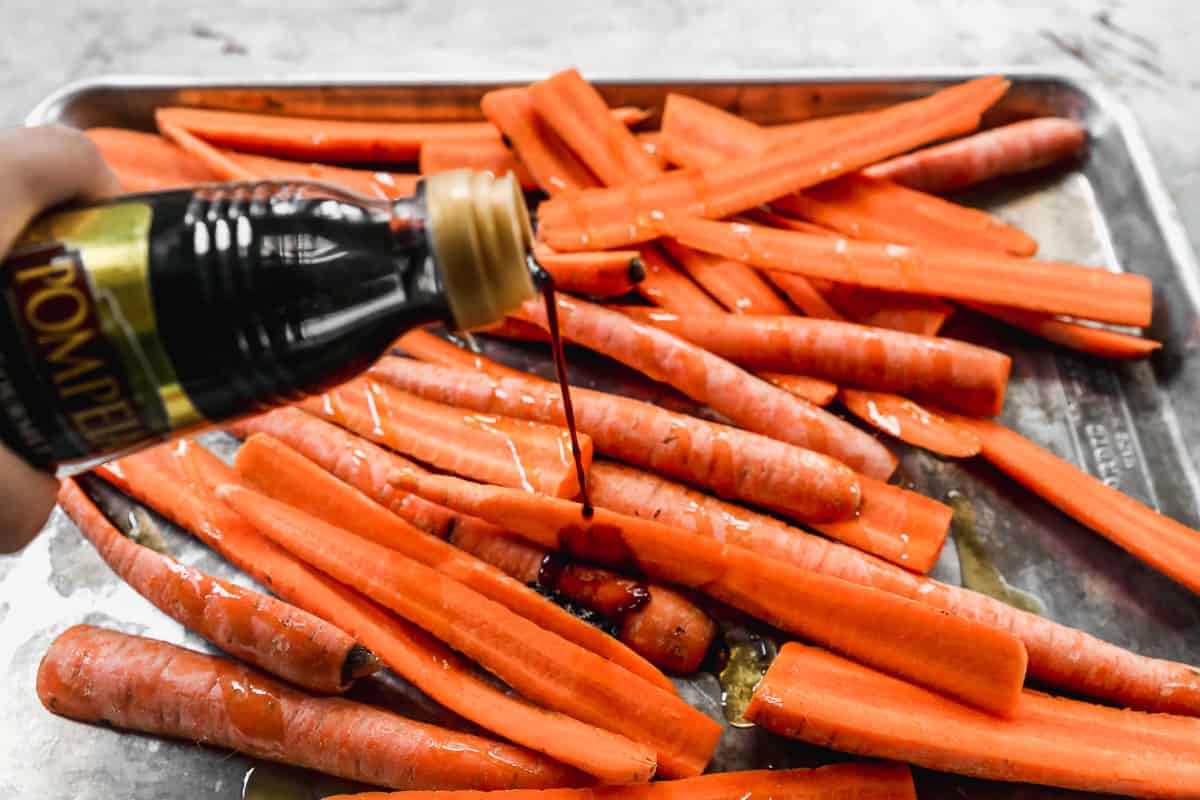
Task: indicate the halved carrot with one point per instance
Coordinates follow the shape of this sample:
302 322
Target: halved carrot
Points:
604 273
1049 286
146 162
317 139
1019 147
945 371
748 401
730 461
820 698
432 348
900 417
205 153
369 183
512 452
483 156
540 665
272 635
1084 338
179 483
814 390
816 129
602 219
972 662
1166 545
1058 655
550 162
651 142
101 676
366 467
844 781
666 286
737 287
697 134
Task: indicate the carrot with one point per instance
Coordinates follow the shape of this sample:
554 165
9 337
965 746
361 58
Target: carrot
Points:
513 452
146 162
803 294
730 461
1054 287
271 635
624 215
518 330
432 348
1058 655
814 390
736 286
369 183
316 139
1166 545
909 422
278 471
973 662
836 781
944 371
540 665
879 308
816 129
651 142
579 115
205 153
820 698
493 157
606 273
1019 147
665 285
748 401
670 630
551 163
96 675
1084 338
697 134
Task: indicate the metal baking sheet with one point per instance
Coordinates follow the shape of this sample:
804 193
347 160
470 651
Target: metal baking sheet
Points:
1137 426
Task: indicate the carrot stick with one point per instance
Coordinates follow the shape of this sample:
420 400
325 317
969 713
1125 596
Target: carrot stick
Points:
616 217
540 665
803 295
493 157
549 160
816 129
271 635
436 350
909 422
814 390
820 698
876 781
205 153
1053 287
605 273
513 452
146 162
748 401
697 134
1169 546
970 661
730 461
651 142
1084 338
736 286
945 371
369 183
578 114
1058 655
96 675
666 286
1019 147
288 476
316 139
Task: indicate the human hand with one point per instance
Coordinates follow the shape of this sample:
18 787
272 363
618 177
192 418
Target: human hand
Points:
39 168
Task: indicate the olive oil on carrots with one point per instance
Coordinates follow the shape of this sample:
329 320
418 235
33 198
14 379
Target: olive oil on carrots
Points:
979 572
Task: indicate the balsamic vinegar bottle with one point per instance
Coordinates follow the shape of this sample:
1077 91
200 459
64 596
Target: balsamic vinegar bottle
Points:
151 314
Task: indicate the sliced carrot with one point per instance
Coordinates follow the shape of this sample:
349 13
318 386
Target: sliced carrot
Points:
820 698
1049 286
517 329
651 142
665 285
879 308
540 665
604 273
146 162
1084 338
101 676
483 156
616 217
814 390
369 183
940 370
366 467
550 162
748 401
436 350
972 662
1166 545
272 635
512 452
900 417
205 153
737 287
1019 147
316 139
816 129
844 781
1058 655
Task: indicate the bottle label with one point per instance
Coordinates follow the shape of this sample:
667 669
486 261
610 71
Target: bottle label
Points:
79 294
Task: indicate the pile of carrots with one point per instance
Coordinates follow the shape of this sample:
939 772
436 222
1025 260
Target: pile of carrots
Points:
425 516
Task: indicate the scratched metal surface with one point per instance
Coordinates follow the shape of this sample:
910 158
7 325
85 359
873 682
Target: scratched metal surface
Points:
1137 426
